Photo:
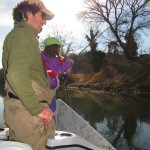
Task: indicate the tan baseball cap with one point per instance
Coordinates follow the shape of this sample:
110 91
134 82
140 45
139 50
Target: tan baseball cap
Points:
47 14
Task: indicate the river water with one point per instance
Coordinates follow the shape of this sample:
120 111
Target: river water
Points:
123 120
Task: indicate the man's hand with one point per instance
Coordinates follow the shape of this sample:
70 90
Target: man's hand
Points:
46 115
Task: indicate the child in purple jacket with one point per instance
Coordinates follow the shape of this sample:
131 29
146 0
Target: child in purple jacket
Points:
54 64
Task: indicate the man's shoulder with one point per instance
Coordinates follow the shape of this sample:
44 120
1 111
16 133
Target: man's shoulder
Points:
21 34
22 31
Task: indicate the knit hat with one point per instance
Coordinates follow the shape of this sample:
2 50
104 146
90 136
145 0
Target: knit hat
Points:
51 41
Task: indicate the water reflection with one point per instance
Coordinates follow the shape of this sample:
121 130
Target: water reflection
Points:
124 121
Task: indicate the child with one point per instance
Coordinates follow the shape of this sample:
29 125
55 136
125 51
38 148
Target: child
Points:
54 64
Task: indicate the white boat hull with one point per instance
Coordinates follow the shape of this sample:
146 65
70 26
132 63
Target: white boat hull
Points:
69 141
68 120
11 145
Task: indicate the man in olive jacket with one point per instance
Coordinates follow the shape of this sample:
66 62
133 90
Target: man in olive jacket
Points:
26 110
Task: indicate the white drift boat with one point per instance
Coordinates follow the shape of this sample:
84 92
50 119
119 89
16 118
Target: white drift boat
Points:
73 133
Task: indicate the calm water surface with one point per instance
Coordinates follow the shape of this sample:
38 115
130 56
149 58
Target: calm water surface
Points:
124 121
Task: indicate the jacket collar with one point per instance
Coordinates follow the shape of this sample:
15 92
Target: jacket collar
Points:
26 25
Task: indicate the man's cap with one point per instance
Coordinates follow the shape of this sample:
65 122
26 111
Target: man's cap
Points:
52 41
47 14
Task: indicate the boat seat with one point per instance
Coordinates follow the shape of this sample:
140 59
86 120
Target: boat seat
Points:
67 140
11 145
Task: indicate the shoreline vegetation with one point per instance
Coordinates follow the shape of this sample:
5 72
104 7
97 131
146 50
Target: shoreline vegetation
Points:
125 77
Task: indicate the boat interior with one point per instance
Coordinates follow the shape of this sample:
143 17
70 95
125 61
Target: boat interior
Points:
73 133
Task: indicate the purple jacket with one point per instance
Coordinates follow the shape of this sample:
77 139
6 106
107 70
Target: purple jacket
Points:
56 66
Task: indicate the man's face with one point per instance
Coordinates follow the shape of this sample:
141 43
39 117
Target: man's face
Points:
37 21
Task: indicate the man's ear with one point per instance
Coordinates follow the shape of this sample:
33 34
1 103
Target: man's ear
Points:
25 18
29 15
22 16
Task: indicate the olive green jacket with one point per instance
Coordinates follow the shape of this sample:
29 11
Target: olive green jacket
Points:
22 64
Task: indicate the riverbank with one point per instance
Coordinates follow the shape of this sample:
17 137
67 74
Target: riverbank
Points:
127 77
117 77
112 89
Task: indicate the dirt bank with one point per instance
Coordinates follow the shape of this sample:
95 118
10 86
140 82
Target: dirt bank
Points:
131 77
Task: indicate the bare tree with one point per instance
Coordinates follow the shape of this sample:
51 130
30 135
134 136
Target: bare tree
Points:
122 17
92 40
93 46
113 47
95 56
